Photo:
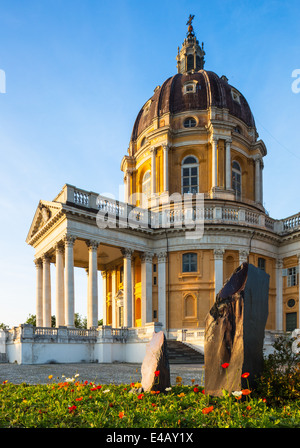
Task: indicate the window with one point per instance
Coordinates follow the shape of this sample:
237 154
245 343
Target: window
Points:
189 175
292 277
235 95
189 122
146 185
261 264
154 281
237 179
291 303
189 262
291 321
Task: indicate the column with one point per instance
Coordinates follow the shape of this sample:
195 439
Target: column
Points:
153 171
92 305
214 143
298 255
113 297
218 258
257 180
166 167
261 181
104 308
46 291
162 286
60 307
228 165
146 278
279 297
39 292
69 281
127 288
133 291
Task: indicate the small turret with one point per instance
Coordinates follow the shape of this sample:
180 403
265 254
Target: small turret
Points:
190 58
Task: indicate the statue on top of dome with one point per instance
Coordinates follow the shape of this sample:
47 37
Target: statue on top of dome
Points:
190 27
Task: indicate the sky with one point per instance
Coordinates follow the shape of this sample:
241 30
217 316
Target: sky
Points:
78 72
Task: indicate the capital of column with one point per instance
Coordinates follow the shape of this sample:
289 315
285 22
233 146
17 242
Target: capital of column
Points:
162 256
59 247
166 147
218 254
127 253
279 263
92 245
153 150
243 255
46 257
213 139
69 240
147 256
38 262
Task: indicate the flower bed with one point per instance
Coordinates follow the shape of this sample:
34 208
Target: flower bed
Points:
75 403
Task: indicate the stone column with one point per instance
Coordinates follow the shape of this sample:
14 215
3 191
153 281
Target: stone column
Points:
60 296
214 143
92 306
39 292
104 287
153 171
228 165
162 286
113 297
146 274
166 167
279 297
298 255
69 281
261 181
46 291
257 180
127 288
133 291
218 257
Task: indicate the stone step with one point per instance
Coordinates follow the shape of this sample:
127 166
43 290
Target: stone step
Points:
180 353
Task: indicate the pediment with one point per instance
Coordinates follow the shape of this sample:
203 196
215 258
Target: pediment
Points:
44 213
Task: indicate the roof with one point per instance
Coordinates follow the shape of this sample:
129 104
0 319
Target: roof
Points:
211 90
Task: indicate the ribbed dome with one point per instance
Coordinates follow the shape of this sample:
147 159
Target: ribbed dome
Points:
211 90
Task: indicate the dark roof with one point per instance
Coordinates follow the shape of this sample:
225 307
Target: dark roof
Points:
213 91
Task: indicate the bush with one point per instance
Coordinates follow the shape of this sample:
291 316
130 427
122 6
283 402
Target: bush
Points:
280 381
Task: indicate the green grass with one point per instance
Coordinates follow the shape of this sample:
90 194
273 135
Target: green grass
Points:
75 403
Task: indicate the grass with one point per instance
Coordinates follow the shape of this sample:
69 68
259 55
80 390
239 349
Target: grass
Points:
75 403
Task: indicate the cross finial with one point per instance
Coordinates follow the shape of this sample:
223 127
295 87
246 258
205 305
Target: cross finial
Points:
191 18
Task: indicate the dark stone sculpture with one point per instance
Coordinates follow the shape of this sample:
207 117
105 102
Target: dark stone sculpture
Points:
156 360
234 331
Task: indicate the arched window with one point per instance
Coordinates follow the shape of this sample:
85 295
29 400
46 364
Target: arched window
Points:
189 262
189 122
146 184
237 179
190 175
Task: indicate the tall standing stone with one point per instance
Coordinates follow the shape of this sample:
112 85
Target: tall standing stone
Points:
156 359
234 331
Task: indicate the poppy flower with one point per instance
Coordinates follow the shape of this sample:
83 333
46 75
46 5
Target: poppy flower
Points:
246 391
245 375
121 414
140 396
196 389
207 410
79 399
225 365
72 408
157 372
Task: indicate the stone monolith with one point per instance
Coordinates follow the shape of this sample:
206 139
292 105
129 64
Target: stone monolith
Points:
156 359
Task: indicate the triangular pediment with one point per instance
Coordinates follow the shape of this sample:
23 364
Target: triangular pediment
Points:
44 213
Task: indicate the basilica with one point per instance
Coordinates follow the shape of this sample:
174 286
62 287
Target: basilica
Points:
192 213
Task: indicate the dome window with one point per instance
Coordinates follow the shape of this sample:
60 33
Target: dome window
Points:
235 96
146 185
190 175
189 122
237 179
190 87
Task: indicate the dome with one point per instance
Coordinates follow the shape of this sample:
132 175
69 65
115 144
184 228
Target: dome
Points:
209 90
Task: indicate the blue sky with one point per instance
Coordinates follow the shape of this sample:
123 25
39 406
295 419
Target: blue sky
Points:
77 73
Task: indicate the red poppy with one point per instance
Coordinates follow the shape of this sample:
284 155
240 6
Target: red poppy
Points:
121 414
246 391
245 375
140 396
207 410
196 389
203 391
225 365
157 372
79 399
72 408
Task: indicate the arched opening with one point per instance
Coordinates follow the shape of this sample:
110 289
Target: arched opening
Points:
190 175
189 306
237 179
138 312
146 184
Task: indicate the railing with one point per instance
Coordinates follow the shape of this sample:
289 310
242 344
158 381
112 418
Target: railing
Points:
175 215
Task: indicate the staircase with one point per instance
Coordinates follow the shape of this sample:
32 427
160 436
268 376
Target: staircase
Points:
180 353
